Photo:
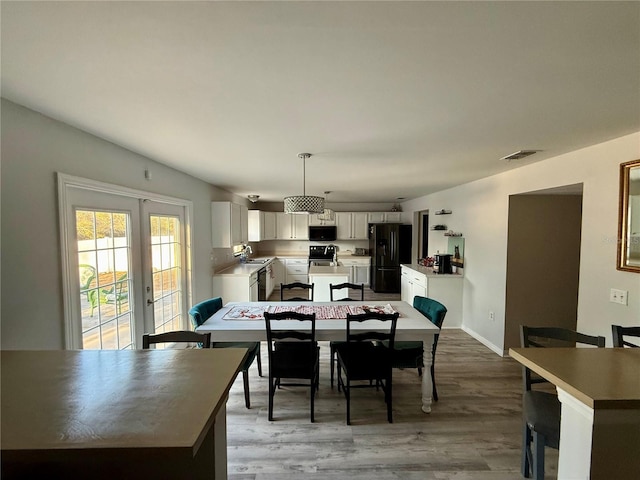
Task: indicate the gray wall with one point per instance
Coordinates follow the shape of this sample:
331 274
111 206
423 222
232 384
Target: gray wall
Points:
34 148
543 263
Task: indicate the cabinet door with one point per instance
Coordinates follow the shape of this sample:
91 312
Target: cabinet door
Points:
278 273
255 223
300 230
392 217
244 224
360 225
361 274
376 217
269 226
405 288
236 224
283 226
343 225
314 220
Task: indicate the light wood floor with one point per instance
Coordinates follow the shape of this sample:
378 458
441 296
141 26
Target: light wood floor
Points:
473 431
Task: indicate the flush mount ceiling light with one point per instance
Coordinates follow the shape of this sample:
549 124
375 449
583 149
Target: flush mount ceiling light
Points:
303 204
519 154
253 198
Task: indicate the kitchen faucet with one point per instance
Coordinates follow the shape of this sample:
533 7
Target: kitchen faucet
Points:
335 253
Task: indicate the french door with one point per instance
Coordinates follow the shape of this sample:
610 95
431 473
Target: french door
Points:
125 267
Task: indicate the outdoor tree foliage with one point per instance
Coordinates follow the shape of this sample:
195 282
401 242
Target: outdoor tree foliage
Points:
92 225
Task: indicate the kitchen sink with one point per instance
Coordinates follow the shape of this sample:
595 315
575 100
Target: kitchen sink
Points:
257 260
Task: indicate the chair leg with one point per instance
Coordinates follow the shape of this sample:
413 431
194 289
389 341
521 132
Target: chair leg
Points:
433 382
525 465
347 393
538 456
259 359
245 381
333 361
272 391
389 397
313 383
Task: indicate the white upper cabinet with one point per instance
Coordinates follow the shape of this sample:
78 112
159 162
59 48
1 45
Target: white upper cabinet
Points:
352 225
269 226
292 226
385 217
262 226
229 224
318 219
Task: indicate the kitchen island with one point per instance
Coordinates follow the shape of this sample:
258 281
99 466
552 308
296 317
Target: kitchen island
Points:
111 414
599 392
323 276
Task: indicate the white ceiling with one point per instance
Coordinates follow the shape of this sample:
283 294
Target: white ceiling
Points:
393 99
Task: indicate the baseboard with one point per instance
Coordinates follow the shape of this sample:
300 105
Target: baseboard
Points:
484 341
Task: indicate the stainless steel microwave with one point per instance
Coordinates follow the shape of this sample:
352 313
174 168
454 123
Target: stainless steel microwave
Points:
325 233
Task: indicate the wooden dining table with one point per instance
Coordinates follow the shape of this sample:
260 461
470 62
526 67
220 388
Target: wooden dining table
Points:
105 414
599 393
244 321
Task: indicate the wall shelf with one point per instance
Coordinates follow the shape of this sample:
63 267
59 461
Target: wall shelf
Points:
439 227
443 212
453 234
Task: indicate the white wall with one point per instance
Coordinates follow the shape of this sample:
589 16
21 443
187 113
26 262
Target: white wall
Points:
34 148
480 212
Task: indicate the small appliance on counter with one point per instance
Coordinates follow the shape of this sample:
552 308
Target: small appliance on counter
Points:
360 251
442 264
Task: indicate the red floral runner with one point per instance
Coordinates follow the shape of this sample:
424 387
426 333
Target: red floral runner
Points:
323 312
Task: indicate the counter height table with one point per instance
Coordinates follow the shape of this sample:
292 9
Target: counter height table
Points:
599 392
105 414
244 321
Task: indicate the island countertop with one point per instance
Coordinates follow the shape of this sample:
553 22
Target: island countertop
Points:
328 271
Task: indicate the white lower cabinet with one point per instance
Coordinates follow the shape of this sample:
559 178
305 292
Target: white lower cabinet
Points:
446 289
412 283
236 288
297 270
359 269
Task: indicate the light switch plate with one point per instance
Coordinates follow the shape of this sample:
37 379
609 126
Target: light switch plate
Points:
618 296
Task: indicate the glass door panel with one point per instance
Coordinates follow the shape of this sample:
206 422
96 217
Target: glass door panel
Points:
104 259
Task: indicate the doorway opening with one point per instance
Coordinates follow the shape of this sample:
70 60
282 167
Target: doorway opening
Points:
543 260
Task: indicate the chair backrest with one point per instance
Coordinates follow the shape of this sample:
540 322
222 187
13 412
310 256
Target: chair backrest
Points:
200 312
620 332
381 334
352 286
303 334
541 337
432 309
297 285
87 275
180 336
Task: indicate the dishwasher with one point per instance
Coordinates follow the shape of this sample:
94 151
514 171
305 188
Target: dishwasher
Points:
262 284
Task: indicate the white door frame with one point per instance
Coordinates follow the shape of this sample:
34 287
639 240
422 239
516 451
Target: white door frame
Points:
67 182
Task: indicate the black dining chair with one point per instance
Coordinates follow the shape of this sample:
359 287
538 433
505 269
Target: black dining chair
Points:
363 358
333 288
199 313
541 410
299 288
202 340
293 354
409 354
619 334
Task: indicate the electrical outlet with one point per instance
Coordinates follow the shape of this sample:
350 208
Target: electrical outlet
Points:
618 296
492 316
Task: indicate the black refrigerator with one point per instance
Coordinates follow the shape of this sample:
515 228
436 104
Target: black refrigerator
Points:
390 246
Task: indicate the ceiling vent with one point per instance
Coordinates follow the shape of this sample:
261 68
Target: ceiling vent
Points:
519 154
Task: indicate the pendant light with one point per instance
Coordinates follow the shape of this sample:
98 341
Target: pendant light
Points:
303 204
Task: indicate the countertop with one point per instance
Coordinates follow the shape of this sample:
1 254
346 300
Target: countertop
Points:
428 271
245 269
598 377
329 271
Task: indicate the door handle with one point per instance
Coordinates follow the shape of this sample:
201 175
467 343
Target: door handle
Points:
150 302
